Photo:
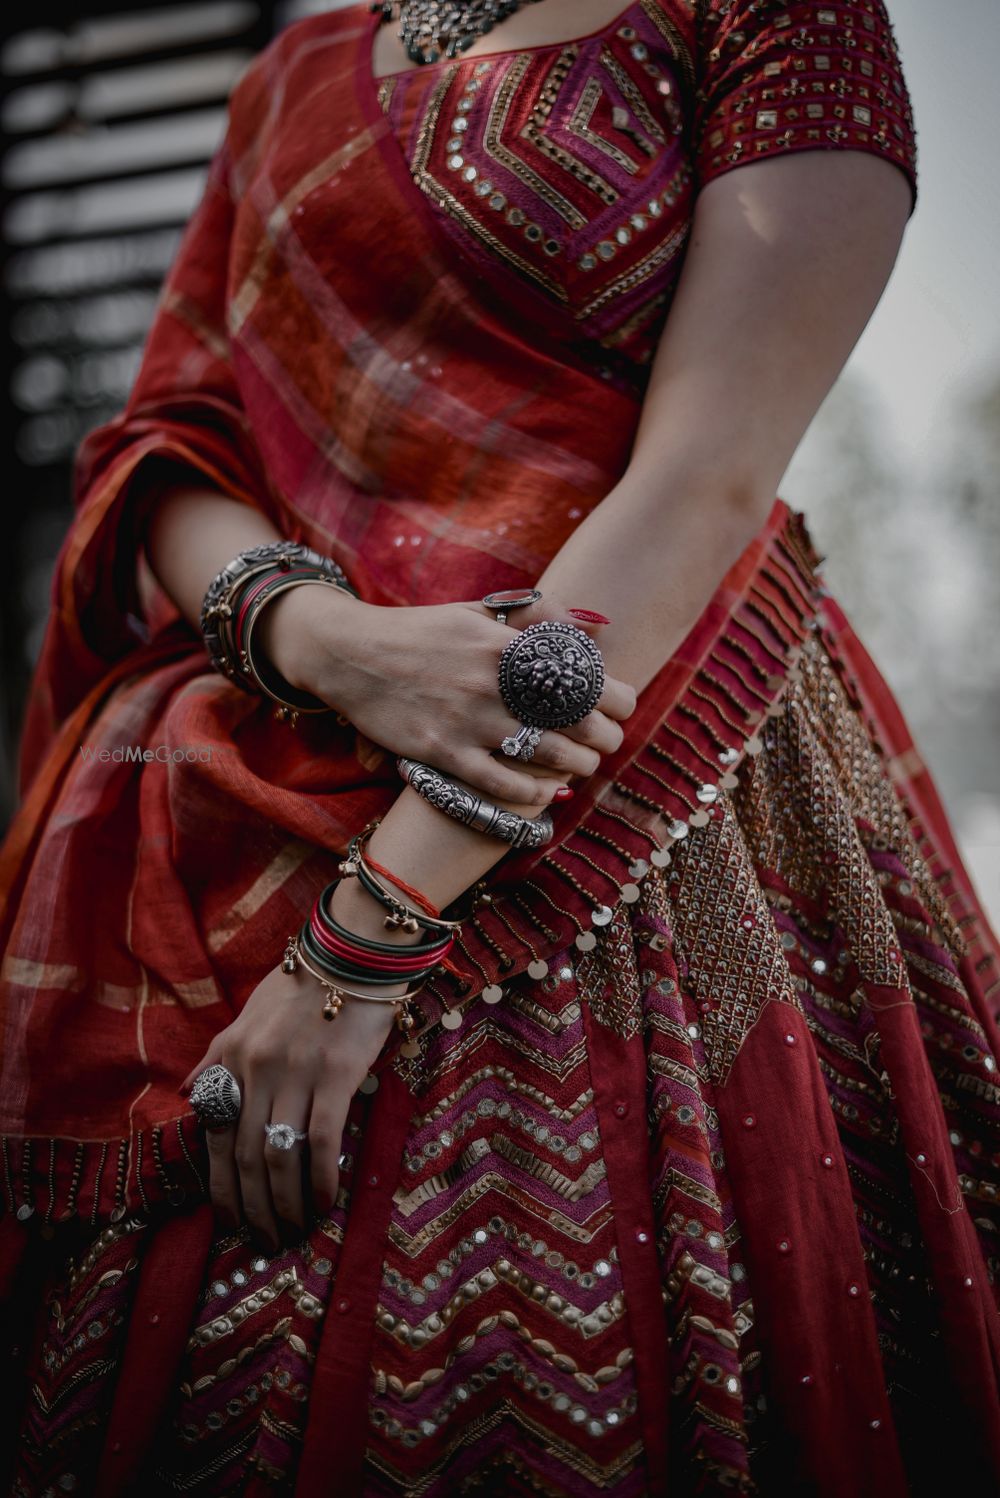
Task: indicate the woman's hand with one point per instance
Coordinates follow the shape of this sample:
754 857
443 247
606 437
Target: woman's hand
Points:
292 1067
422 682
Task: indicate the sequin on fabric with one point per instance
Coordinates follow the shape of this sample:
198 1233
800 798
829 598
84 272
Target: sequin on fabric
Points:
572 169
503 1353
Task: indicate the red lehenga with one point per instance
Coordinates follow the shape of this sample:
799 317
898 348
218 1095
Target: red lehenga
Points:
709 1200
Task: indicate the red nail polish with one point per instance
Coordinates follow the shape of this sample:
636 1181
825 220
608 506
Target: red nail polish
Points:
564 793
588 616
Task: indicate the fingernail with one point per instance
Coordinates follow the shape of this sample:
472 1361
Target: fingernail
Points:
588 616
564 793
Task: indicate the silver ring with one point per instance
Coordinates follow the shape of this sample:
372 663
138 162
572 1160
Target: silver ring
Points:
512 598
215 1097
550 675
283 1136
522 745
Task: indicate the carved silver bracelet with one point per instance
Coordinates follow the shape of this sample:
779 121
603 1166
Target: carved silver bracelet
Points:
458 801
217 609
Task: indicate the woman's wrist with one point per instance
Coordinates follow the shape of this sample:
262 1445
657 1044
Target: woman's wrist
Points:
294 630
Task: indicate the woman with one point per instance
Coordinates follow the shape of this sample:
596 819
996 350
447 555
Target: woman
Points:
679 1173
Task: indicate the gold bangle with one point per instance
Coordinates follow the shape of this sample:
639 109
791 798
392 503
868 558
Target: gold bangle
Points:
335 992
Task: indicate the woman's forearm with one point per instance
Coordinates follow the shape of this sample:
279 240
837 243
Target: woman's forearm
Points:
192 533
651 567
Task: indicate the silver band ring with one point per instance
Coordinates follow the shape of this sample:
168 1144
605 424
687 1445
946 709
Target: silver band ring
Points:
522 745
215 1097
513 598
283 1136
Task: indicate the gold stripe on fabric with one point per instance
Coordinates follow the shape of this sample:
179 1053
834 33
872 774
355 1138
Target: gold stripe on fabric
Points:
495 148
291 857
688 1186
26 973
471 1431
245 298
629 91
677 44
664 250
579 124
226 1323
549 1217
512 1083
189 313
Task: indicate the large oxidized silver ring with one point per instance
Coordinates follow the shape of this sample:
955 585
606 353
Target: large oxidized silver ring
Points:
215 1097
283 1136
522 745
551 675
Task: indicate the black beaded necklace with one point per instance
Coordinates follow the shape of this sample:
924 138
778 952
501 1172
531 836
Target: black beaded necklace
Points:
432 29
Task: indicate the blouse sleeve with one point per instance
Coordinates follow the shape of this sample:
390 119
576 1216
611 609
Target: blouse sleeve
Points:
799 77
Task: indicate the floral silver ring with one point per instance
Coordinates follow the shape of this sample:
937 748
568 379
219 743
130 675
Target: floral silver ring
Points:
215 1097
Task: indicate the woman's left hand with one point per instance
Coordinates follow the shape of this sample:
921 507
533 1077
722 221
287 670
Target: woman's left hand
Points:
296 1068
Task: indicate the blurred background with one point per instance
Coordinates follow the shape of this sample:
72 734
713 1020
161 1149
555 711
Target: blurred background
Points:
108 117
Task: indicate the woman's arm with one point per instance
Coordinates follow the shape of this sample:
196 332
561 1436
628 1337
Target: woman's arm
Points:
787 260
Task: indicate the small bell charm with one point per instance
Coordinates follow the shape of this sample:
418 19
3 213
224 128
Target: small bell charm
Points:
290 961
334 1004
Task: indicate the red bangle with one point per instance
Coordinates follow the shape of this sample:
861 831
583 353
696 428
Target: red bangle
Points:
408 960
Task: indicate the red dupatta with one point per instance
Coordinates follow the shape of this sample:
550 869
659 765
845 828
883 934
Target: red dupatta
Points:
309 358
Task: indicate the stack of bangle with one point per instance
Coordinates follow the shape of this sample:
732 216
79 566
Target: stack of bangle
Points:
360 865
234 602
458 801
337 959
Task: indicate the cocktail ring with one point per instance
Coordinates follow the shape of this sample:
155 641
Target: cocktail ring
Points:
551 675
283 1136
513 598
522 745
215 1097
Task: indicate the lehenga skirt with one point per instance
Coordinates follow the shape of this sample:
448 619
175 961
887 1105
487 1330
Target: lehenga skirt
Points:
702 1196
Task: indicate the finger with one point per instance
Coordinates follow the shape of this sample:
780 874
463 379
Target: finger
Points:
557 752
326 1134
590 619
597 731
284 1160
618 699
255 1190
494 781
210 1056
223 1180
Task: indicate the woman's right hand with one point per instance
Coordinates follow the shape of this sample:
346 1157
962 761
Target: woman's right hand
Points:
422 682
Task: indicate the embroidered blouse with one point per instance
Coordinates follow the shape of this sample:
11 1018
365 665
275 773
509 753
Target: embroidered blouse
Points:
573 167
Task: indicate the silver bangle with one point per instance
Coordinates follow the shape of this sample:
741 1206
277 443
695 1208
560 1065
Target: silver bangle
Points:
216 610
458 801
